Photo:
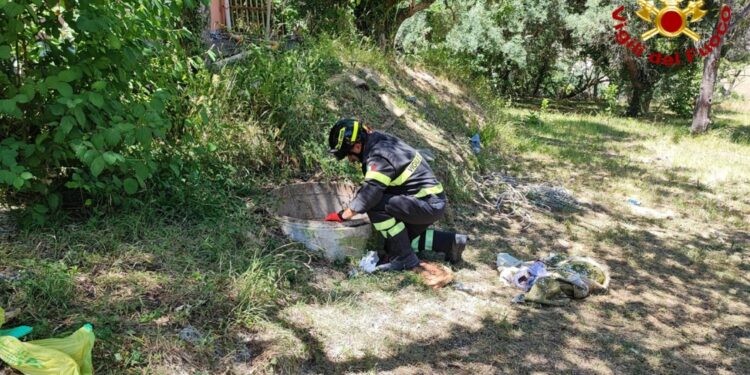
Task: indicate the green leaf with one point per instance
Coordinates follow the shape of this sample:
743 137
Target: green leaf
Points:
114 42
8 106
63 88
175 168
98 166
18 182
13 9
131 186
27 175
111 157
89 156
29 90
80 116
204 116
125 127
5 52
96 99
9 157
143 135
21 98
54 201
141 171
99 85
57 109
112 136
66 124
212 147
69 75
7 177
98 140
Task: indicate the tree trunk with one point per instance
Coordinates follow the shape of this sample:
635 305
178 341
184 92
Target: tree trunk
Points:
702 111
640 100
642 84
541 75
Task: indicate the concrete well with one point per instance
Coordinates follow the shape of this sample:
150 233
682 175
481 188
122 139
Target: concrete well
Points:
301 209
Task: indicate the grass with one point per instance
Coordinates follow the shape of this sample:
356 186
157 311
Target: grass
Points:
140 277
679 299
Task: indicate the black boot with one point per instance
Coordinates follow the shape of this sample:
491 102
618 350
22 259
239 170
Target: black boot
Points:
400 263
454 254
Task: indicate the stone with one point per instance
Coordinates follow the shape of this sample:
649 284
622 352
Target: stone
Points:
391 106
372 77
358 82
190 334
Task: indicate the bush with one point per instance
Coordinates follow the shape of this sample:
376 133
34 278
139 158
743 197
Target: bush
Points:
267 113
88 90
680 90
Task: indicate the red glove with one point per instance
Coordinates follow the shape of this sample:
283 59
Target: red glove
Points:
334 216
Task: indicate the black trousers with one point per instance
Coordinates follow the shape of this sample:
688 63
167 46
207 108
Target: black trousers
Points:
404 221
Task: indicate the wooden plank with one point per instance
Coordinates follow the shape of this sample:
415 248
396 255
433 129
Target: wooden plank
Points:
256 19
269 4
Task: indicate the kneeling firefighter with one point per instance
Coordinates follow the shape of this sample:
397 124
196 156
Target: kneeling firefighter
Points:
400 194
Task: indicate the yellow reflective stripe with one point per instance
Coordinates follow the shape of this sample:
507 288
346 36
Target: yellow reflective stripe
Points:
428 239
398 228
408 171
384 225
415 244
437 189
377 176
354 132
341 138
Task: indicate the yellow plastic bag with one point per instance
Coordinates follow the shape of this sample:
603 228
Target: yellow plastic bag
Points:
65 356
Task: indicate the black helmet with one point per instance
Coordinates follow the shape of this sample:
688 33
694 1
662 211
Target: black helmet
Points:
344 134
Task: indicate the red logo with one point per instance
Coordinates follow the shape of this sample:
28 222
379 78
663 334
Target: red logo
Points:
671 22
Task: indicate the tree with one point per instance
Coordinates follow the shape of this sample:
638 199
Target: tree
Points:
702 111
381 19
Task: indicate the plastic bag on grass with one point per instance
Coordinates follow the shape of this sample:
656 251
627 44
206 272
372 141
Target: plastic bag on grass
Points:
16 332
65 356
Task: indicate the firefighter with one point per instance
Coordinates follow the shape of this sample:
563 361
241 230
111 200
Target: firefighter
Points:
400 195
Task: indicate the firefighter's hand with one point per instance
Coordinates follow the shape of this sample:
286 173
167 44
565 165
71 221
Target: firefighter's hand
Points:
347 214
335 217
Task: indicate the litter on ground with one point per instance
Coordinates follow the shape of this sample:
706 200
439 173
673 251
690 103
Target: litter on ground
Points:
369 262
69 355
556 279
514 198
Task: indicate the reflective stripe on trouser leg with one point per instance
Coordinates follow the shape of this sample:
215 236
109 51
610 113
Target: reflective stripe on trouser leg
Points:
424 242
389 228
429 238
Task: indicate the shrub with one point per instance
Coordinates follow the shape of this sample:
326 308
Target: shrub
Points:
88 91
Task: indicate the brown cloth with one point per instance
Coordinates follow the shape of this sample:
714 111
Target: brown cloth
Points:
435 275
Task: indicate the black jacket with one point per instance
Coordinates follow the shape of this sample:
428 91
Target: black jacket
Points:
392 167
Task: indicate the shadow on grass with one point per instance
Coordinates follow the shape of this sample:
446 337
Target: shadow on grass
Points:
660 294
